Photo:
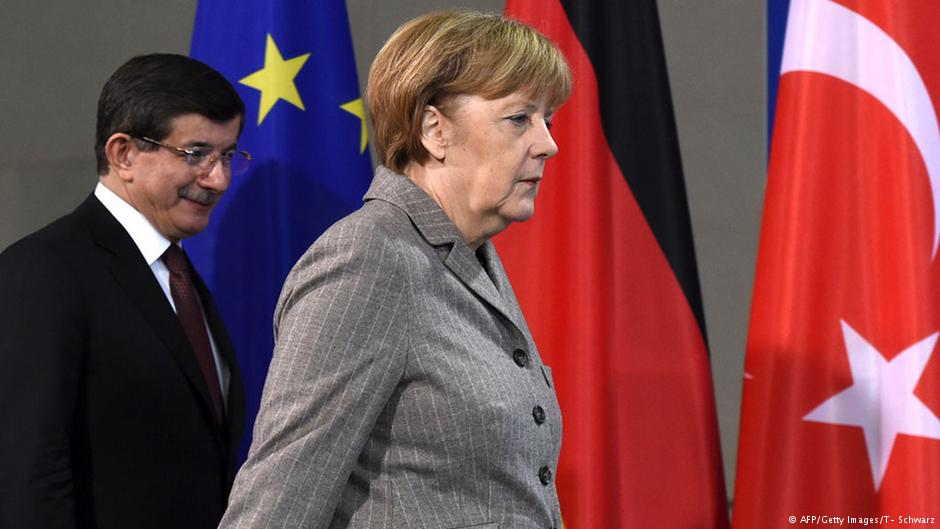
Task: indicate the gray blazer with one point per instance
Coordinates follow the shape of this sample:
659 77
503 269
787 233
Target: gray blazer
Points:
405 389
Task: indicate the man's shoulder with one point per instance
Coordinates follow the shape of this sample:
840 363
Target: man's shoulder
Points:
59 235
39 264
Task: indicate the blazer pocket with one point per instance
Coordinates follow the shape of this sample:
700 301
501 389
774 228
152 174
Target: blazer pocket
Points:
478 526
547 373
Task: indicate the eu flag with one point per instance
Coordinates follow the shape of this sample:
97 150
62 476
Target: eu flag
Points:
292 63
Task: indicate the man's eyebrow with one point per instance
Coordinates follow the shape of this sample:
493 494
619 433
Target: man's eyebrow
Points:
200 144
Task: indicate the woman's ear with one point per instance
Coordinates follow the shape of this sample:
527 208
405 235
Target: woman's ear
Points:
433 138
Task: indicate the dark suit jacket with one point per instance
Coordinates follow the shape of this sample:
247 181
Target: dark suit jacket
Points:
105 419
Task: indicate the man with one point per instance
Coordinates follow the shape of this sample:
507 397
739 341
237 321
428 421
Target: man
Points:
121 404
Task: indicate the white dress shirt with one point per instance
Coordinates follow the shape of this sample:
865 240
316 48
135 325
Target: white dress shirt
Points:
152 244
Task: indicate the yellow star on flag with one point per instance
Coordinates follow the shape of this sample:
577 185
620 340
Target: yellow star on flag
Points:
276 79
356 108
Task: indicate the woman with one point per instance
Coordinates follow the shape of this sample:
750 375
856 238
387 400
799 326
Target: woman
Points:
405 389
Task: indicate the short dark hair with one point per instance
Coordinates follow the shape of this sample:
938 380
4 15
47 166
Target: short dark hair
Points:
147 92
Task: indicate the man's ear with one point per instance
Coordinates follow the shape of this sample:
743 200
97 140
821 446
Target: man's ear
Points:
433 123
121 153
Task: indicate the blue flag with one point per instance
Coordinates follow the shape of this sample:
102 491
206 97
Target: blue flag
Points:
292 63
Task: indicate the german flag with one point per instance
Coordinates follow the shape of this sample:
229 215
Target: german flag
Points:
605 273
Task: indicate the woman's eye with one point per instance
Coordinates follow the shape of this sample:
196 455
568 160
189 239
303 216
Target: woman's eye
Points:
548 123
519 119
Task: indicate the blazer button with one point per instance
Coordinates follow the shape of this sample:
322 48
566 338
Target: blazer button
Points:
538 414
520 357
545 475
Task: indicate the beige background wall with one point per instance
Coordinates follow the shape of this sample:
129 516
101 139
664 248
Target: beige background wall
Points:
55 55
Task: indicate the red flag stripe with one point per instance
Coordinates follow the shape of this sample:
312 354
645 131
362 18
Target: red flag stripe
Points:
846 286
640 443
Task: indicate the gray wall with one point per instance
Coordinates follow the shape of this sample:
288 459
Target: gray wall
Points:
56 55
716 55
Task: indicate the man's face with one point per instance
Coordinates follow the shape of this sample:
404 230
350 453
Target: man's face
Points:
176 198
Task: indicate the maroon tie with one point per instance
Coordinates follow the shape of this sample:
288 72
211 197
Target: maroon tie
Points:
190 314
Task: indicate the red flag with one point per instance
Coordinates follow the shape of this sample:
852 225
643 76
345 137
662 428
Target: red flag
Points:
605 273
842 389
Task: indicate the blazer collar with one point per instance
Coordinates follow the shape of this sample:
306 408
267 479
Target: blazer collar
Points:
491 283
430 220
151 243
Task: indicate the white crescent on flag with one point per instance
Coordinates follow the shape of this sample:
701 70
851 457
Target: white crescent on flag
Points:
820 36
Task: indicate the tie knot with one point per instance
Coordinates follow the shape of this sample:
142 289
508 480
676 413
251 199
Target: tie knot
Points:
175 260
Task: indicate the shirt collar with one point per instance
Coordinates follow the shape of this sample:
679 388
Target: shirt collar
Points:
149 241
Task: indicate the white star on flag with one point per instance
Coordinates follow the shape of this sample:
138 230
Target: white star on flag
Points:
881 399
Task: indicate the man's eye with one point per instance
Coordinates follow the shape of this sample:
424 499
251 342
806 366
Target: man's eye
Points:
197 156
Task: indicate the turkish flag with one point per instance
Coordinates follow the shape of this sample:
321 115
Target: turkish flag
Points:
605 274
842 383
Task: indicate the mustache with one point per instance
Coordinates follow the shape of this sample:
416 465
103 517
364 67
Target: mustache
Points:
200 195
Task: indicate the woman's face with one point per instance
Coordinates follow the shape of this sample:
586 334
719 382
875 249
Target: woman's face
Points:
495 151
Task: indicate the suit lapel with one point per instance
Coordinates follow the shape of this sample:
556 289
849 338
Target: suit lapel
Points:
235 403
465 265
501 280
434 225
131 272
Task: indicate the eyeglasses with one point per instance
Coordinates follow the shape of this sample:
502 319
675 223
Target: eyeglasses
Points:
233 162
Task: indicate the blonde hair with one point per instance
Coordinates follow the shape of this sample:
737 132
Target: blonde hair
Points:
447 53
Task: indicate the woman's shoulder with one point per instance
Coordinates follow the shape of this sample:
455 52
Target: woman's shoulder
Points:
376 217
377 232
376 224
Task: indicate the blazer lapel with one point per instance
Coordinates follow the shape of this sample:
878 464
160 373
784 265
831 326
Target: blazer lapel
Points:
501 280
137 280
235 404
465 265
440 232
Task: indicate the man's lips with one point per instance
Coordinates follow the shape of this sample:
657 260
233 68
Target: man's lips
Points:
532 180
